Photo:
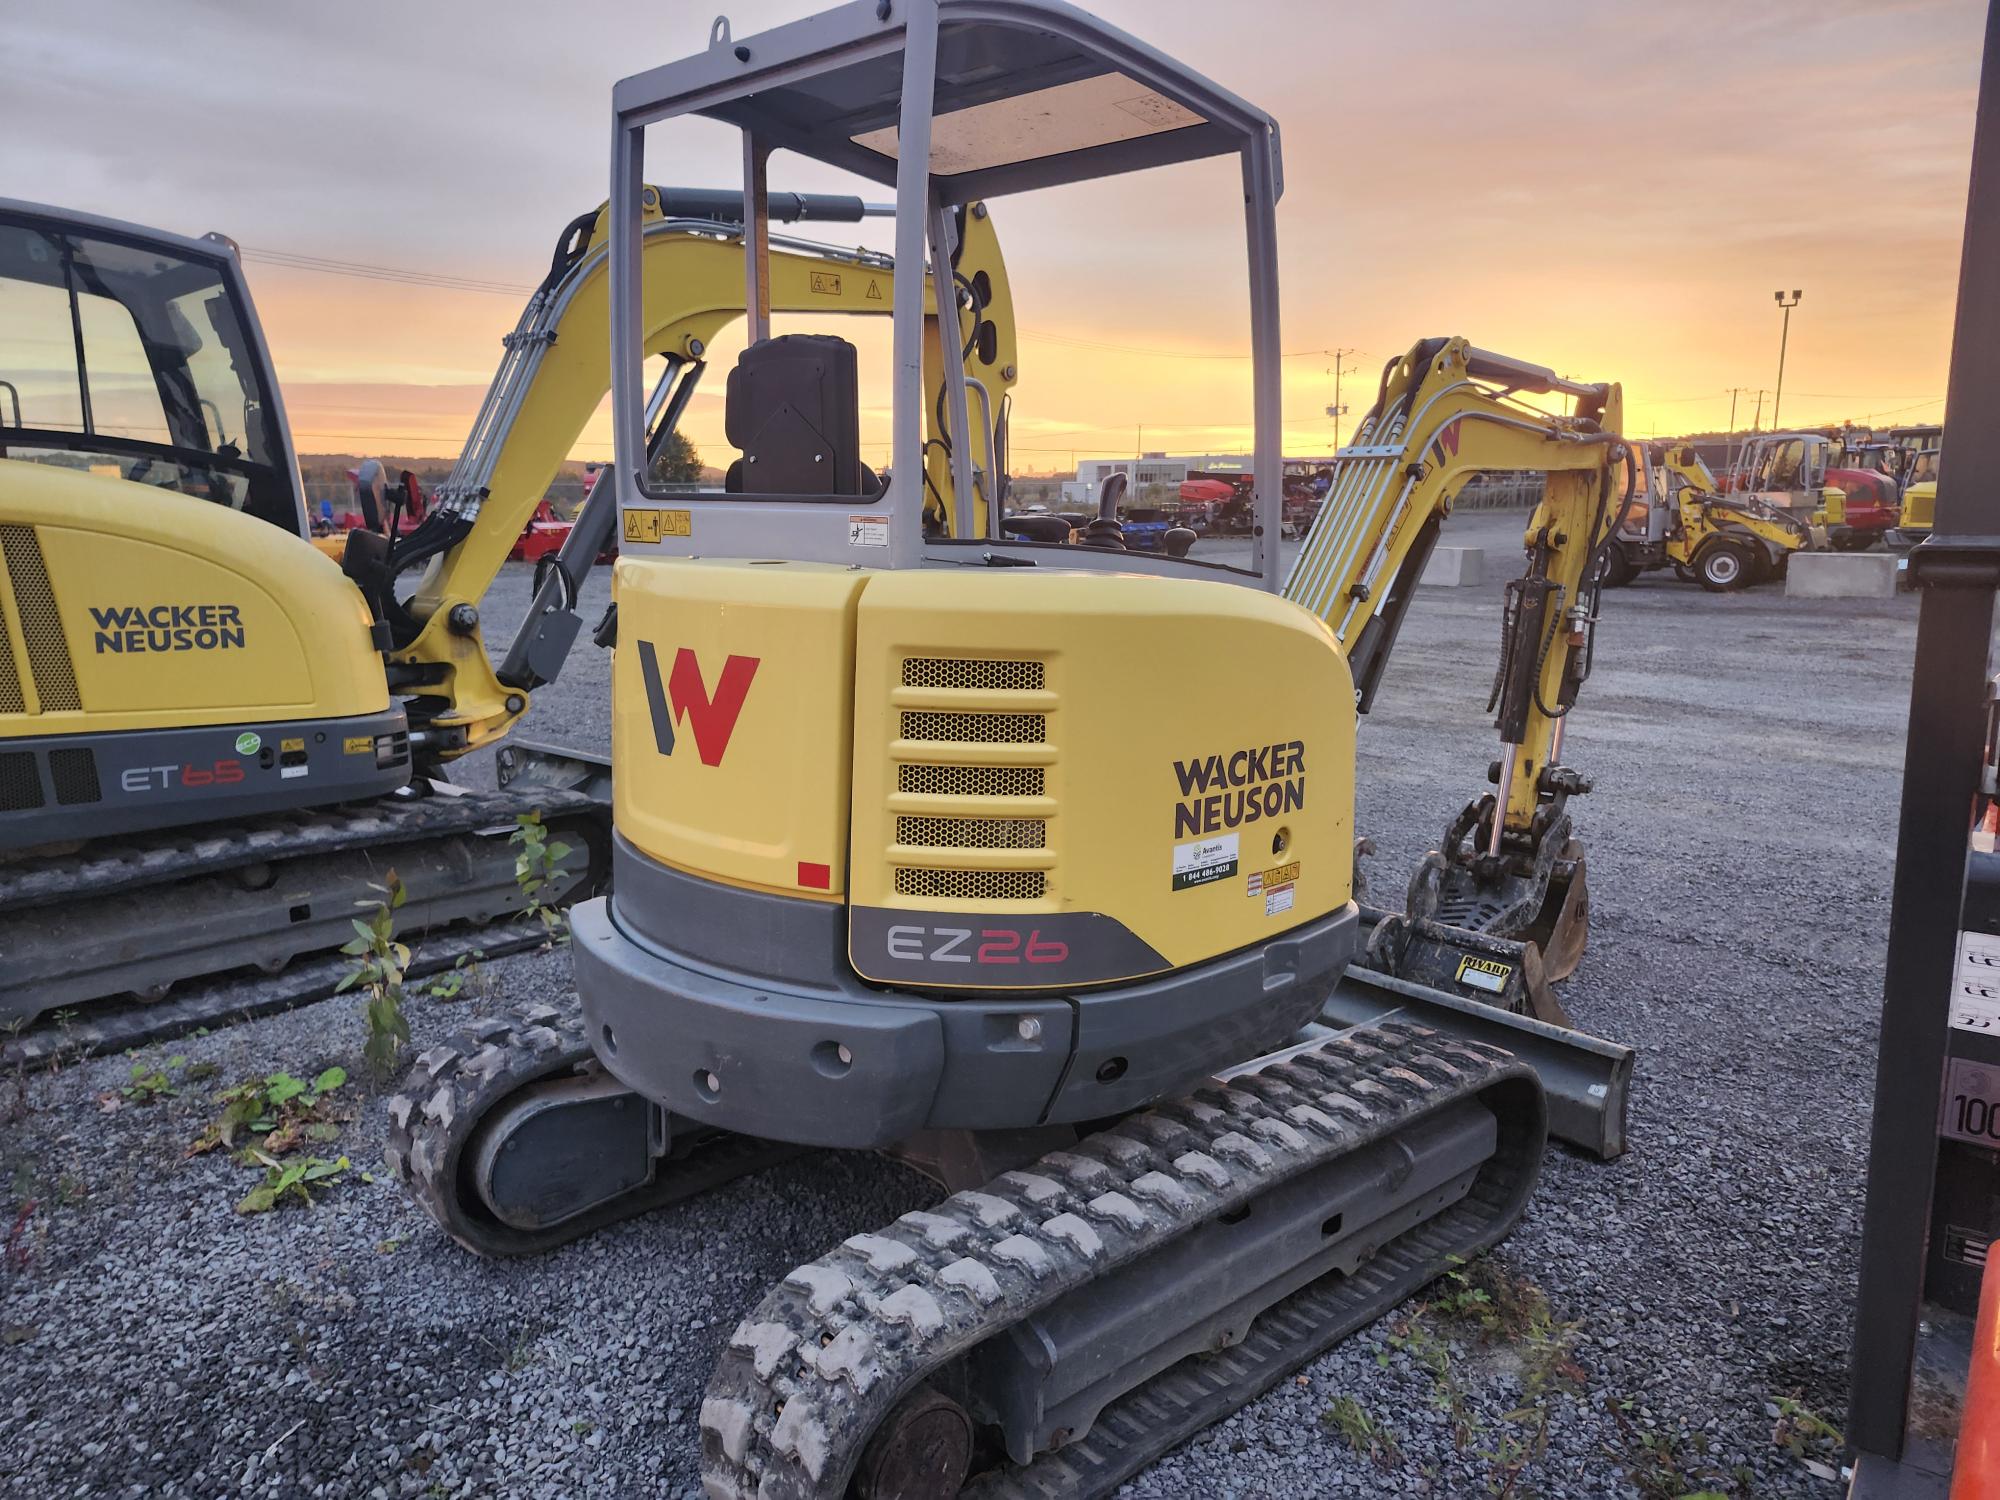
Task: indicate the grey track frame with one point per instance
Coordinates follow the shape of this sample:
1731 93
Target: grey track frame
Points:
756 82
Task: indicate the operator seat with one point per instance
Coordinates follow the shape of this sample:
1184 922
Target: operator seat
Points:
793 407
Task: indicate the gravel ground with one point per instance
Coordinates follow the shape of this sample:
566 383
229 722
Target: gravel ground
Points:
1746 755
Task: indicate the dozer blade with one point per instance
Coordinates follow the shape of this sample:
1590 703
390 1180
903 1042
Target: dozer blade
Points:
1587 1079
885 1355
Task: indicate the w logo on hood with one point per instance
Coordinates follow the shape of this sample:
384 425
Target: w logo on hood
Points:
684 698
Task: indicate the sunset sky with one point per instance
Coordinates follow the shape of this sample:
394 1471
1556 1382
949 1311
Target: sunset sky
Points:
1614 190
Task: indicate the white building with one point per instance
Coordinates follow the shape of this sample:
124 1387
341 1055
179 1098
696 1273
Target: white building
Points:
1157 468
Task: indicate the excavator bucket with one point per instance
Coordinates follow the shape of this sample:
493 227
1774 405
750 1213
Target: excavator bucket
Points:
1562 927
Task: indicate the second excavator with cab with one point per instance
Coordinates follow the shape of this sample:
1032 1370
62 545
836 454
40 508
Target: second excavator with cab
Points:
907 856
213 744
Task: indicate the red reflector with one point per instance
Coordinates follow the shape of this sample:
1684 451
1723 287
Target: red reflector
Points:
816 877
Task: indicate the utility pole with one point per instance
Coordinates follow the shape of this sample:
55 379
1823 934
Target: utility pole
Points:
1757 422
1729 442
1337 410
1783 338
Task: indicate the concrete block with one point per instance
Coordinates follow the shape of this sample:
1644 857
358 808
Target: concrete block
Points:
1454 568
1841 575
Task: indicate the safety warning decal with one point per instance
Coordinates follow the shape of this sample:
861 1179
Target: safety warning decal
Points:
1204 861
867 531
652 525
826 283
1275 885
358 744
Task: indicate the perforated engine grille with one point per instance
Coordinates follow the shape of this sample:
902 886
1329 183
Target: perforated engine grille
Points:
973 833
48 652
972 885
972 781
992 689
20 785
75 774
976 729
11 699
973 673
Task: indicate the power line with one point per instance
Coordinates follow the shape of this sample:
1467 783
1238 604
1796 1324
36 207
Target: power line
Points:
1153 353
366 271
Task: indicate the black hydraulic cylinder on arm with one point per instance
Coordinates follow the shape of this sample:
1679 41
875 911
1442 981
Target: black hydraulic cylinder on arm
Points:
542 644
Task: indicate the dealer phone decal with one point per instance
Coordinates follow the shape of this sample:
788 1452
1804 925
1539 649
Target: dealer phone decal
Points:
1204 861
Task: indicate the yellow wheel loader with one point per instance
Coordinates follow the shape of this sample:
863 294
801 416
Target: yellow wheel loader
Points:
1678 517
908 857
213 741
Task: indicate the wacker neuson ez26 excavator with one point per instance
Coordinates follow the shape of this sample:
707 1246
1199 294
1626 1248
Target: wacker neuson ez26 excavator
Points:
212 743
908 855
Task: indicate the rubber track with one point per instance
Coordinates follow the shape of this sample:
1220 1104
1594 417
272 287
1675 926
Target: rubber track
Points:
813 1371
450 1089
105 866
108 1026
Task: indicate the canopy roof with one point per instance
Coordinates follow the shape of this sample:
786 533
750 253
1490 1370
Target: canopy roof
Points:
1029 93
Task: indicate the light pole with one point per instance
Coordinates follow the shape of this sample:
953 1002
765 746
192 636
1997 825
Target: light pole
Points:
1783 338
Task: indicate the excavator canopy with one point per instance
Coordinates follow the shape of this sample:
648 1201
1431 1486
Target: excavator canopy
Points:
953 102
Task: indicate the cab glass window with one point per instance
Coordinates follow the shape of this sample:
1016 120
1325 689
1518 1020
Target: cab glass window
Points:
131 361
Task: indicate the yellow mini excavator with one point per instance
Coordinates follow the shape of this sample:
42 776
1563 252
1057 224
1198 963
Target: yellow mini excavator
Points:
909 857
212 743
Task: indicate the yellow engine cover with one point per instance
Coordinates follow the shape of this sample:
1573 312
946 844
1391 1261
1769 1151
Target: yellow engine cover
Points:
1920 505
1052 778
732 695
130 606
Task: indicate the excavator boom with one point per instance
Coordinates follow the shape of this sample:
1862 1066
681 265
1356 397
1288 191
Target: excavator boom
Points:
553 375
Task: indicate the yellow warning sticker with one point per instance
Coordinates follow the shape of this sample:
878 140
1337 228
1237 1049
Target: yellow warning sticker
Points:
642 525
287 746
358 744
826 283
874 290
1272 879
1488 974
